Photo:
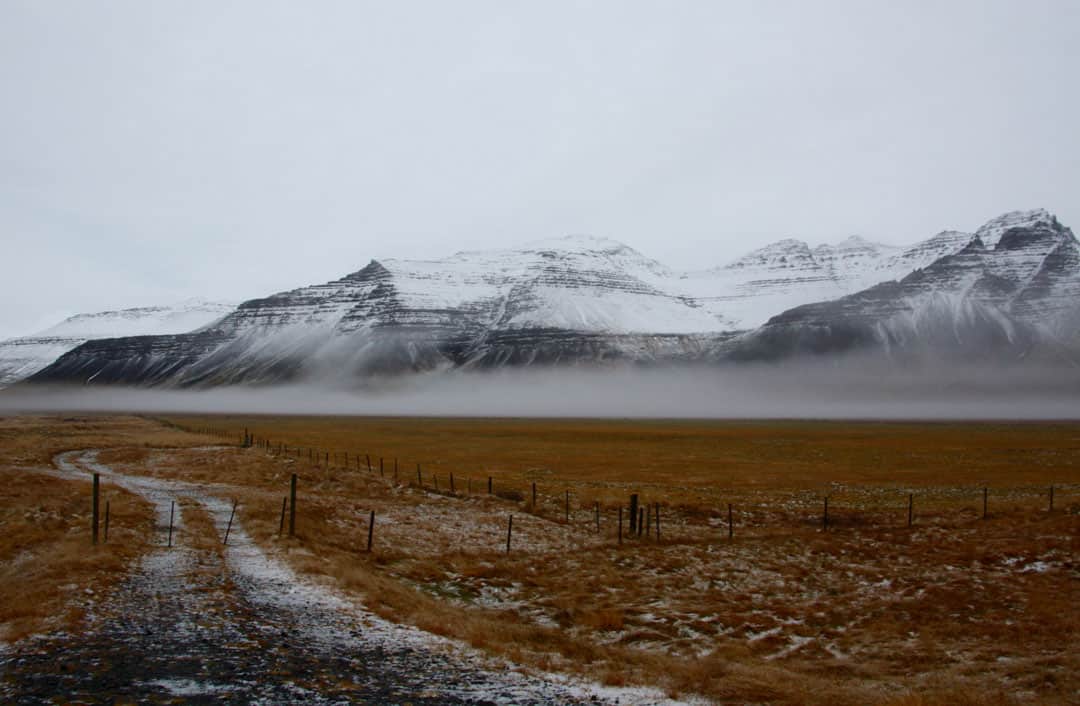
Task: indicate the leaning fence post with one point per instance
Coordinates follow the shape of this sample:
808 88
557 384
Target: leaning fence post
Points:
509 532
95 501
292 505
172 510
370 530
228 528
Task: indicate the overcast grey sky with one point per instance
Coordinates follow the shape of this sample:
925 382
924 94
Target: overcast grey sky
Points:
154 151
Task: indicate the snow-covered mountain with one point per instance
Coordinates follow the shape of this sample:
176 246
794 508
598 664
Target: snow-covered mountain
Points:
22 357
1012 291
581 299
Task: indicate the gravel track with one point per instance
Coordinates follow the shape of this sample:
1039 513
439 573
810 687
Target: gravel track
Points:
191 625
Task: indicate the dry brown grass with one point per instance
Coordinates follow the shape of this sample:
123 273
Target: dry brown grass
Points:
49 569
954 610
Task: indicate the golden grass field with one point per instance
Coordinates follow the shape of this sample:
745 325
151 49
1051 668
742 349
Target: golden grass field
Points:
956 609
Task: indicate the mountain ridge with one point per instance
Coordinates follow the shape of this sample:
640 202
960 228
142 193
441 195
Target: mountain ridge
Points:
587 300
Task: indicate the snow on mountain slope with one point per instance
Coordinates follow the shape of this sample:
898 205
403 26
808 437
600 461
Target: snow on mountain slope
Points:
982 301
990 233
789 273
582 299
24 356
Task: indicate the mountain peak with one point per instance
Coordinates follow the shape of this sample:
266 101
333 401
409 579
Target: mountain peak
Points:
788 252
990 233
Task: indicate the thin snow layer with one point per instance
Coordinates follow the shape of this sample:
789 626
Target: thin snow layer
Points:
332 623
22 357
614 312
590 284
145 321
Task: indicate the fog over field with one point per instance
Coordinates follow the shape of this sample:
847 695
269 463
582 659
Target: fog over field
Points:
847 389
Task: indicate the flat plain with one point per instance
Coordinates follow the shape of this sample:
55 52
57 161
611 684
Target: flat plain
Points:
974 601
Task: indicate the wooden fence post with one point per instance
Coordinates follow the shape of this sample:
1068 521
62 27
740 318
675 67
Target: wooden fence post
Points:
368 456
985 493
534 496
95 505
1051 498
106 521
597 509
370 530
568 507
825 516
229 527
620 524
648 520
292 506
281 524
633 512
419 478
451 482
509 532
910 508
657 506
172 510
641 520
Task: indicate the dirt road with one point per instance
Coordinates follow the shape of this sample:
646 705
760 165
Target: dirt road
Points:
196 625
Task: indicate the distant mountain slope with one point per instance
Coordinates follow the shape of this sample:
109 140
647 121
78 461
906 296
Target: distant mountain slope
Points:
24 356
1014 297
584 300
